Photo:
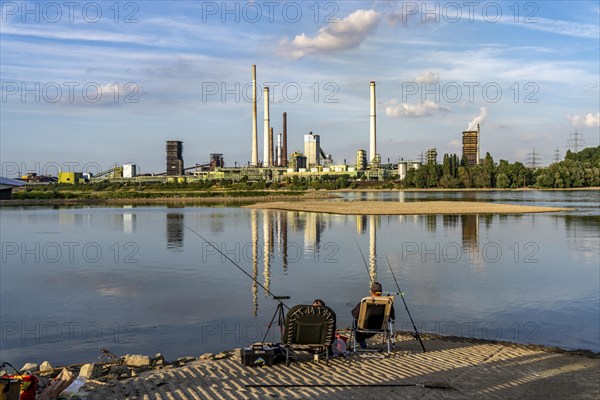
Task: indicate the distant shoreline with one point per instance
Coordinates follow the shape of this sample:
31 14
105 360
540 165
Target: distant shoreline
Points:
273 196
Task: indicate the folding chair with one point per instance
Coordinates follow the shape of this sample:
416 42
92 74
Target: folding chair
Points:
374 318
308 328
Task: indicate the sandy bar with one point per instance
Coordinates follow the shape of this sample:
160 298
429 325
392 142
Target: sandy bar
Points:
399 208
466 369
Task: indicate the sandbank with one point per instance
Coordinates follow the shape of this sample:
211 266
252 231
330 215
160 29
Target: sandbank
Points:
403 208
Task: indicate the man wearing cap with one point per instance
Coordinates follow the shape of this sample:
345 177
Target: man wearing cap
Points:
361 337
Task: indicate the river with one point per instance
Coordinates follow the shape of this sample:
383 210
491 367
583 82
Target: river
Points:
140 279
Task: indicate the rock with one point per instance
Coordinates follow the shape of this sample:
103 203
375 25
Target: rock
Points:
206 356
222 355
136 360
186 359
158 361
30 367
91 371
120 371
46 367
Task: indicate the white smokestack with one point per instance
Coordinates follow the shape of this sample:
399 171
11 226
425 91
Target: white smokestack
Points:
254 120
373 136
267 129
279 148
478 119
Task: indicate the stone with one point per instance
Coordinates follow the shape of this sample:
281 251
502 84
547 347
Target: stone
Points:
91 371
206 356
222 355
30 367
46 367
136 360
158 360
120 371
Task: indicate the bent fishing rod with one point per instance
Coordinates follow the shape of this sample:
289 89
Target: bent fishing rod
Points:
278 298
417 335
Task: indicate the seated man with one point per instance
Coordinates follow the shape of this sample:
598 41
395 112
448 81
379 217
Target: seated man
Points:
361 337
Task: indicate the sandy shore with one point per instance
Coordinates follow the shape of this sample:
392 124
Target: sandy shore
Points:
461 369
397 208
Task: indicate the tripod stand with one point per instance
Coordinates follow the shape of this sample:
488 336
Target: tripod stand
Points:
279 313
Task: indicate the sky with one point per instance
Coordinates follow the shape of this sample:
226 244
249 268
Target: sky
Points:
86 85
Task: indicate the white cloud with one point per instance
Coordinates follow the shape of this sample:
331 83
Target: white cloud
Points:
567 28
73 34
347 34
396 110
590 120
428 77
455 144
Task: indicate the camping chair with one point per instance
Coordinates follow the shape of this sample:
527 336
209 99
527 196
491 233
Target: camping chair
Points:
308 328
374 317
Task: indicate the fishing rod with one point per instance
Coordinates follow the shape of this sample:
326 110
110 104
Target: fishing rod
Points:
364 261
405 306
278 298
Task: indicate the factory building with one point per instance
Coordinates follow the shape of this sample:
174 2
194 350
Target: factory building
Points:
216 161
174 157
297 161
361 160
312 149
432 156
402 169
470 142
70 177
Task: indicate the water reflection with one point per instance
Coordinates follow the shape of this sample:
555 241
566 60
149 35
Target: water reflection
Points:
175 228
373 219
470 235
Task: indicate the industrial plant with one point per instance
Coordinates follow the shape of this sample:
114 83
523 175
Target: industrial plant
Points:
277 164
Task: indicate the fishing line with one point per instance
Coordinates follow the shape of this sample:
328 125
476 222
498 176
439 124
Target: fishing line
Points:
364 261
278 298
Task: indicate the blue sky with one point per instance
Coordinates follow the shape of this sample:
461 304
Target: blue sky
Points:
530 78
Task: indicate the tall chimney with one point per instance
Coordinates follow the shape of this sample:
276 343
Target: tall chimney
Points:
478 144
254 120
267 128
284 161
278 162
373 146
271 163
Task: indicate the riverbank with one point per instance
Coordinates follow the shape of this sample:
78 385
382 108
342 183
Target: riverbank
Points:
404 208
452 368
222 199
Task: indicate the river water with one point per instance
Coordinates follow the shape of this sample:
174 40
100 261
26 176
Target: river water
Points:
140 279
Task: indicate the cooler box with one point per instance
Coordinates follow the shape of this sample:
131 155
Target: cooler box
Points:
258 355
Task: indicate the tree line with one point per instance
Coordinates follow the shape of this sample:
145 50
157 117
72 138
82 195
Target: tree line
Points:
580 169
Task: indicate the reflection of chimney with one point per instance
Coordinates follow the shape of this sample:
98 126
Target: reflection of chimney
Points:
271 163
284 161
267 128
284 231
267 250
373 247
373 146
254 120
254 225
